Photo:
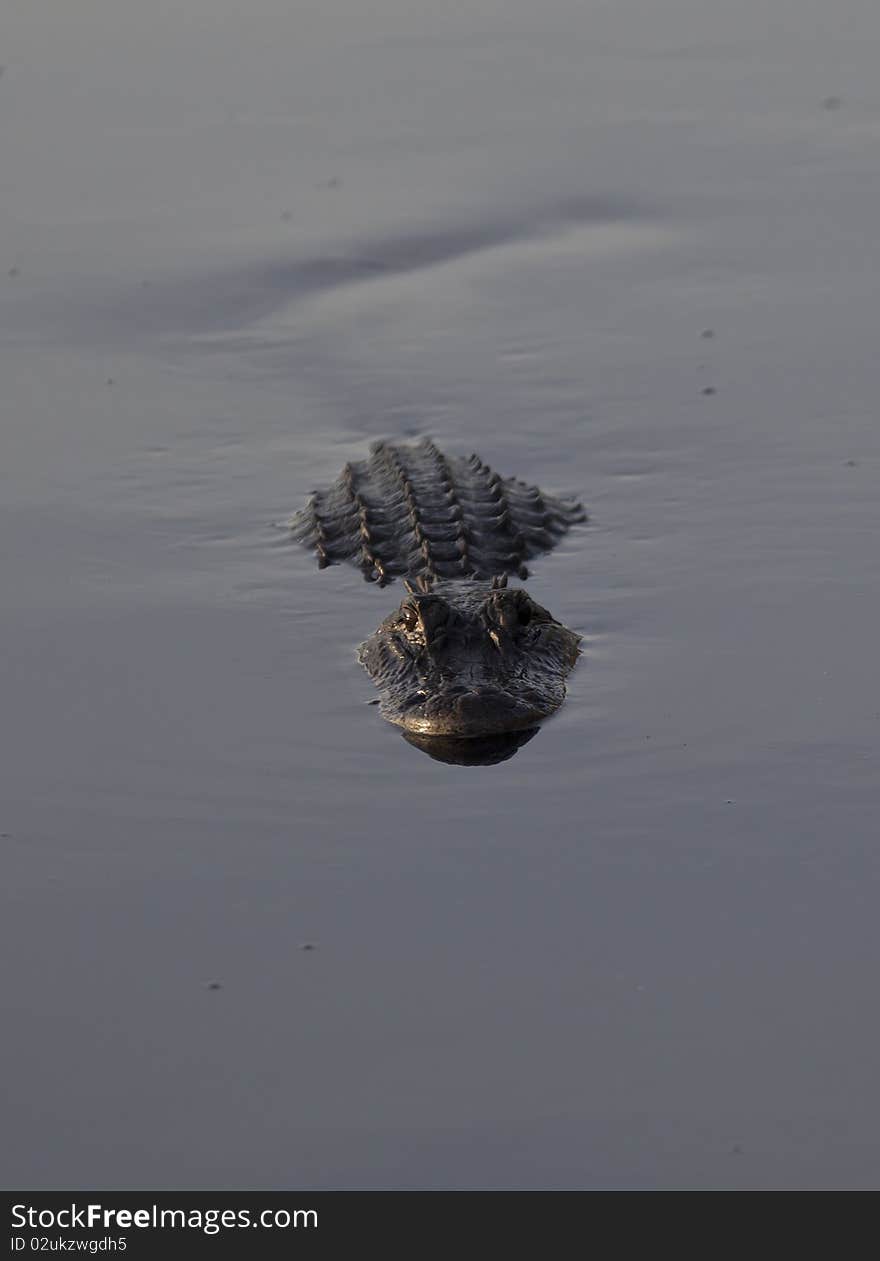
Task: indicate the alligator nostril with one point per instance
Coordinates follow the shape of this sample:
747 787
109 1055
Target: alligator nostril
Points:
479 703
469 705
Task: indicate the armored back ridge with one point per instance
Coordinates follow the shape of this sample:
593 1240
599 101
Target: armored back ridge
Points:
464 656
410 511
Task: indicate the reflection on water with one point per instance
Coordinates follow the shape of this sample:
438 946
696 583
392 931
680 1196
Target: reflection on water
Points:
476 751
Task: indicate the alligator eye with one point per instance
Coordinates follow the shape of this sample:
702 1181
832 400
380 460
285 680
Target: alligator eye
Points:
509 610
409 618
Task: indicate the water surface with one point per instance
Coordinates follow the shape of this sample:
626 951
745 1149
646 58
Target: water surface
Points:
626 252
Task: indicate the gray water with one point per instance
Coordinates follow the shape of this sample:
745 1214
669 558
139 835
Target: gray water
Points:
235 246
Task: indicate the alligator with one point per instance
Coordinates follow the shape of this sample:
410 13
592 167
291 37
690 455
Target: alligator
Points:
465 657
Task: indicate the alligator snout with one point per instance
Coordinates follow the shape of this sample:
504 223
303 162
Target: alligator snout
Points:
471 712
464 712
472 707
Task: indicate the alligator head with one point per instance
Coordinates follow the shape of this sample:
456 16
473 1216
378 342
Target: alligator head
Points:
469 659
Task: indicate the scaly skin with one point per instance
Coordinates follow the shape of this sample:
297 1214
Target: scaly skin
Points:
410 511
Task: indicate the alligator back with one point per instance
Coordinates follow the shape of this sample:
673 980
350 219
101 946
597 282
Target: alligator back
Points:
410 510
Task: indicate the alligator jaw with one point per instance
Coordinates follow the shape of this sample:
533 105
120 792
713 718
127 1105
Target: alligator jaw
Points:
477 711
